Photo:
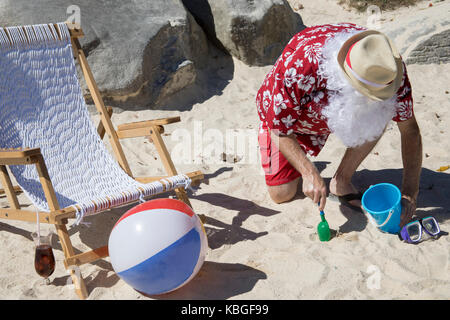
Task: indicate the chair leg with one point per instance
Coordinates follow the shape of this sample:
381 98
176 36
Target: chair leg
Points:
66 244
182 195
8 188
101 129
167 162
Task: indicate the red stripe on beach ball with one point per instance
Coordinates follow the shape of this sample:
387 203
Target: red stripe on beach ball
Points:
165 203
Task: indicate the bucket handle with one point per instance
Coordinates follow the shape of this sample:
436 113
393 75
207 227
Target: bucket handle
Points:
372 221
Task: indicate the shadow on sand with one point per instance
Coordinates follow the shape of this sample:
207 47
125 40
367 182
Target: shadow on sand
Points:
217 281
220 233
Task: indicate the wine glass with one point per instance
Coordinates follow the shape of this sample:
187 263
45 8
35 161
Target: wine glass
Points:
44 260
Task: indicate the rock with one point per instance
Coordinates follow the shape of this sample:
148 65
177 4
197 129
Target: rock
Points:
139 51
255 32
423 37
434 50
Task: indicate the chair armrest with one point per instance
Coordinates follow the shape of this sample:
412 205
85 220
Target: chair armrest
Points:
75 33
148 123
19 156
142 128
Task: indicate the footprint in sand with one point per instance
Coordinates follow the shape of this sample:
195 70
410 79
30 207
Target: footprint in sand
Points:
313 237
352 236
29 293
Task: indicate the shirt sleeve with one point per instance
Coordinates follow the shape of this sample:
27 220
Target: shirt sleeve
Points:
291 84
404 99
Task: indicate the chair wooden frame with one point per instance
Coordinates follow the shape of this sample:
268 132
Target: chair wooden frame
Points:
152 129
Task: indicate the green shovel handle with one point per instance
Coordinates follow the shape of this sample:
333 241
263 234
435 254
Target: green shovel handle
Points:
321 211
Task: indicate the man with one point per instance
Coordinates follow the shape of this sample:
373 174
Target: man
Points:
341 79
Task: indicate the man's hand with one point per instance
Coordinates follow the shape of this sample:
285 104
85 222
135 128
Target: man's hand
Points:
408 210
314 187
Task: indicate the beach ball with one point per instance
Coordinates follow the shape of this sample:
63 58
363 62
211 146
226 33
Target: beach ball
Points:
158 246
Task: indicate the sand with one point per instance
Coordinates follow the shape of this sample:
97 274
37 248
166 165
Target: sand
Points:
258 249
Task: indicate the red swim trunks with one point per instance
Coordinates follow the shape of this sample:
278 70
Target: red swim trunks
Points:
276 168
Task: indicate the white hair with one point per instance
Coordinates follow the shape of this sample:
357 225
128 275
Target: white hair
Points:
353 117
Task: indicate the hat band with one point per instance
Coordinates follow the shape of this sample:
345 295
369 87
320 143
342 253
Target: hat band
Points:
370 83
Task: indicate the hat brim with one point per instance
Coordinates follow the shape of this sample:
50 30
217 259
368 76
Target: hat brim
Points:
378 95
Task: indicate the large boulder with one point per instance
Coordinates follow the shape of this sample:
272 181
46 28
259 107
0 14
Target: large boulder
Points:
139 51
255 32
434 50
423 37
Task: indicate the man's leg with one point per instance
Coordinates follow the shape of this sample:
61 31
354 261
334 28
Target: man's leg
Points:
341 184
284 192
281 177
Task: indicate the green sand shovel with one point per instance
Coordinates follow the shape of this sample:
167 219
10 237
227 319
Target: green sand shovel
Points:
323 230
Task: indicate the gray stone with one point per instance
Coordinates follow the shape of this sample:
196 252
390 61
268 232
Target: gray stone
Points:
255 32
139 51
423 37
434 50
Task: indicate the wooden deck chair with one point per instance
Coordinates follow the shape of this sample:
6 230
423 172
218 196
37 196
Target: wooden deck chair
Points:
50 145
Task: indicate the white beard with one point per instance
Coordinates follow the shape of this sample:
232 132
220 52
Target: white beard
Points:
352 117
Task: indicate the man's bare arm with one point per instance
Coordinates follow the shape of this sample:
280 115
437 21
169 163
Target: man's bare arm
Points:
412 162
313 185
411 156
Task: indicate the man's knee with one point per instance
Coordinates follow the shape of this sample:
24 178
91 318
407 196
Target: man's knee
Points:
284 192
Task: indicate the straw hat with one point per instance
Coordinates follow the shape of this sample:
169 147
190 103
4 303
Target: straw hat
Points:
372 64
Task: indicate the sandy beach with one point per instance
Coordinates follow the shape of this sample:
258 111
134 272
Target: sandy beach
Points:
259 249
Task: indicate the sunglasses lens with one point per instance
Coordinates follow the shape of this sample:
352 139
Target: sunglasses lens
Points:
414 231
431 225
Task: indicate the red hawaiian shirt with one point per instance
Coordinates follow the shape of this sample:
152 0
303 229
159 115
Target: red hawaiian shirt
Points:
292 96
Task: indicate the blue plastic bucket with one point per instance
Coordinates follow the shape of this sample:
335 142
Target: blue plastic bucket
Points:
382 202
